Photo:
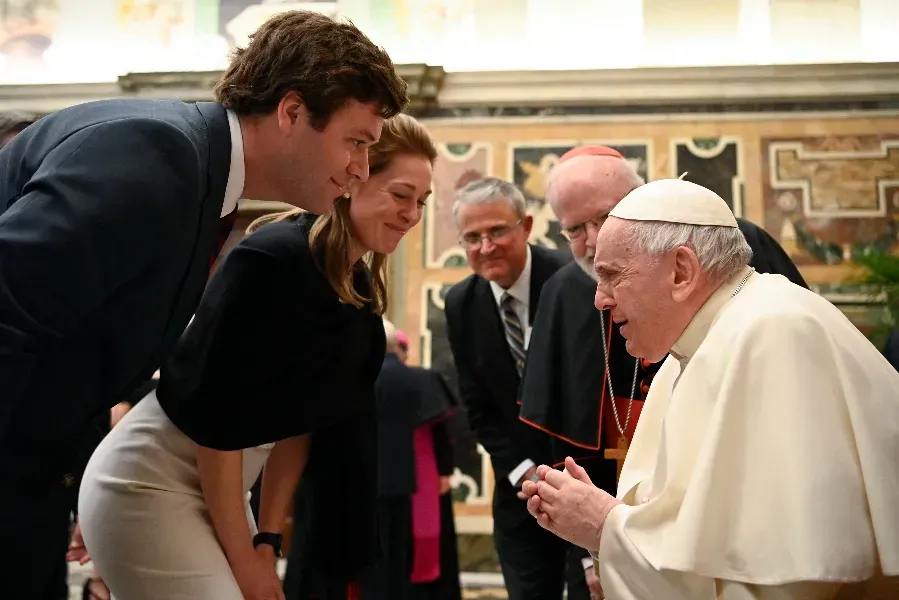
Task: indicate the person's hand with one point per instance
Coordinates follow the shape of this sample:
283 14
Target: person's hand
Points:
526 478
96 587
446 485
117 413
593 583
567 504
77 552
258 579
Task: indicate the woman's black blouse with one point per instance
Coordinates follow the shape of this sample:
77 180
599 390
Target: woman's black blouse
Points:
272 353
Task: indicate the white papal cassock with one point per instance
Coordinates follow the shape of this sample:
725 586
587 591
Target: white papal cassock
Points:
766 460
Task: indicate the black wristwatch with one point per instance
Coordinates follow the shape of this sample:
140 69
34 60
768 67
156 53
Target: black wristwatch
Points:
272 539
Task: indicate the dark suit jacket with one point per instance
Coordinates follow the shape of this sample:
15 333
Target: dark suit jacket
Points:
891 349
109 212
409 397
767 255
488 380
399 391
437 407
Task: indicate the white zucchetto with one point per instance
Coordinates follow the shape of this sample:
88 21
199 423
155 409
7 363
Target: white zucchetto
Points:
675 201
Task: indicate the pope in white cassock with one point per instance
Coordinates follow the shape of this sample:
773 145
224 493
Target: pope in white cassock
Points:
766 461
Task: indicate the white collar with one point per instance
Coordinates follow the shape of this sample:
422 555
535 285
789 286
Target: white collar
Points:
237 172
698 328
521 289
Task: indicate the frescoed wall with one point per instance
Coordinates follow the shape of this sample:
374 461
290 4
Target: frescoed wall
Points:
237 19
27 28
128 36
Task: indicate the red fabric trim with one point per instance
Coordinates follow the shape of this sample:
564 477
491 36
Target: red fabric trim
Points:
226 224
352 591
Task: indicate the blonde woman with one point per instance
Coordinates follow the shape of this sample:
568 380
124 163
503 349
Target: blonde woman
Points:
277 368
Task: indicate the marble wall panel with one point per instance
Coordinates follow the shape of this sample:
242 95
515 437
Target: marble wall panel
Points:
714 163
828 198
457 165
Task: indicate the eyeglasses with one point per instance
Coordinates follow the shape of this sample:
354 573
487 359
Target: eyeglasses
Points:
473 240
576 232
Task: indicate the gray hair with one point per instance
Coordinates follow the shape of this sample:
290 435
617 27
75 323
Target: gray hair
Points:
12 120
721 251
490 189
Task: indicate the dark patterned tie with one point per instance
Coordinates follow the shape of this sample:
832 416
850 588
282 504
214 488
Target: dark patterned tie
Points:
514 331
226 224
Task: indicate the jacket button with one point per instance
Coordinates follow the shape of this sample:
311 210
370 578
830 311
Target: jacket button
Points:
644 388
646 364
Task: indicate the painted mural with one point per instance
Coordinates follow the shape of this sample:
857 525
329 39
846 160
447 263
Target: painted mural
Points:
237 19
27 28
458 164
530 164
157 20
829 198
713 163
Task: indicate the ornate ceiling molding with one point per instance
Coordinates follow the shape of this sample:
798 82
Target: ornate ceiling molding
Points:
424 83
430 87
675 85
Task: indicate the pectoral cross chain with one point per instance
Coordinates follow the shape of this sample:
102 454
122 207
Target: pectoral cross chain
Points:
620 453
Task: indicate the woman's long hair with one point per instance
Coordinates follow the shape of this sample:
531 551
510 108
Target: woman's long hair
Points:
331 235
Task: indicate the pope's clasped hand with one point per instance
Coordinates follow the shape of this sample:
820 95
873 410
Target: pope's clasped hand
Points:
568 504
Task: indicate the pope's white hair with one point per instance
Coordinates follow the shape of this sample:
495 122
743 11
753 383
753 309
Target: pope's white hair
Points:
721 251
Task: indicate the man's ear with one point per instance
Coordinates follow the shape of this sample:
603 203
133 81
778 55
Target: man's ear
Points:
290 110
527 223
687 273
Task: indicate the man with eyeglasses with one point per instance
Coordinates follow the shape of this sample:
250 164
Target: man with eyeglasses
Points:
580 364
488 319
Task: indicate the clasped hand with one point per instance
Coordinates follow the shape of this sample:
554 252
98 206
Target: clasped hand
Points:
567 504
257 577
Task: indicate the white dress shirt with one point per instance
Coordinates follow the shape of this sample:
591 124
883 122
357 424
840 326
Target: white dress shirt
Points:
521 292
237 171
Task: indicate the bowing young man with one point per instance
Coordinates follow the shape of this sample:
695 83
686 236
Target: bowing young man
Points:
111 214
579 363
488 319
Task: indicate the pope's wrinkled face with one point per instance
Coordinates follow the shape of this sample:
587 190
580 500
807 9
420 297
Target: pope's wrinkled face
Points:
637 289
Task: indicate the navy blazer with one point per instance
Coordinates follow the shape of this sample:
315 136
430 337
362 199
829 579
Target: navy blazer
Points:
109 212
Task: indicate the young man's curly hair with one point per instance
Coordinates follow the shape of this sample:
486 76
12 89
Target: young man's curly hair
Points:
325 61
